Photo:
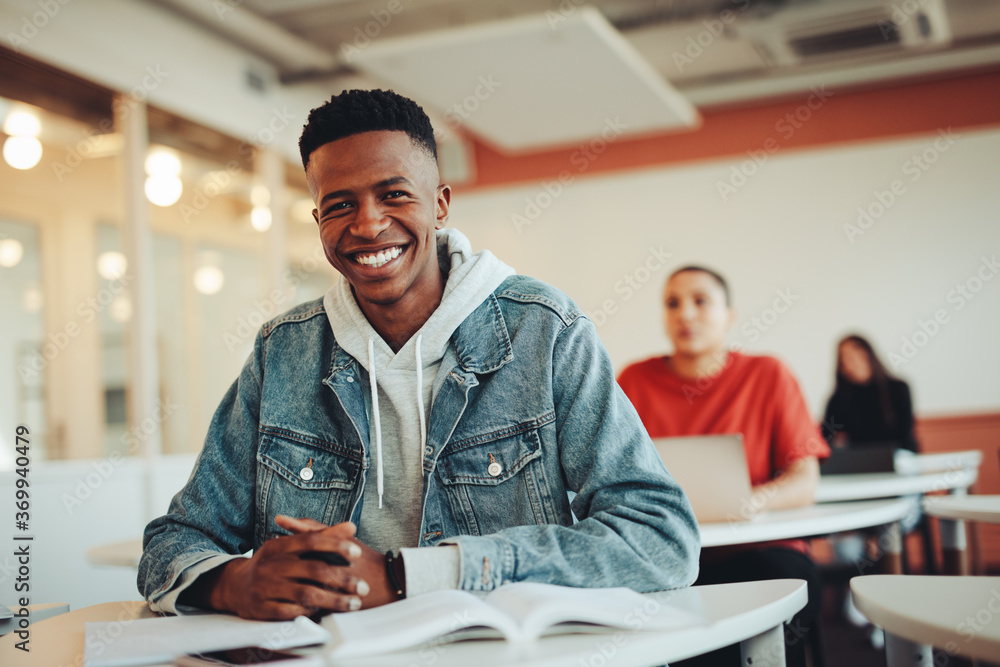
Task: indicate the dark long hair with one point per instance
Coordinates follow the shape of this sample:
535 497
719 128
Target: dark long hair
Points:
880 376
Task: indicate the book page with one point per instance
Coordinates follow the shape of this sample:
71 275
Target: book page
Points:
540 607
414 621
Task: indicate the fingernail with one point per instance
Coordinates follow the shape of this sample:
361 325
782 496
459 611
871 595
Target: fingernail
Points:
355 604
354 551
362 587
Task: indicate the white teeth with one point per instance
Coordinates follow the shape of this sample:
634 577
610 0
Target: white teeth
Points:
379 258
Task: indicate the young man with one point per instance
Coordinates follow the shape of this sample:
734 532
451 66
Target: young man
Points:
704 388
423 422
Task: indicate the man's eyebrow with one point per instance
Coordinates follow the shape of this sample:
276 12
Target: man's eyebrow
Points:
337 194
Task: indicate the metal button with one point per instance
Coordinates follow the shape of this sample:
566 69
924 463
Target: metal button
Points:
306 474
350 378
428 451
494 469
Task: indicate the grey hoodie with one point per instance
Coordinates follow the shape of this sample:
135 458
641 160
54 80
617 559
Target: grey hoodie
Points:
407 383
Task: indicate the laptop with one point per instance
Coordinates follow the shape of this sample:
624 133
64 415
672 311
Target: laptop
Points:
859 459
712 470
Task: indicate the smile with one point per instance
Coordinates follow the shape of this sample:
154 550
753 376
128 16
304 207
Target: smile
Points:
380 258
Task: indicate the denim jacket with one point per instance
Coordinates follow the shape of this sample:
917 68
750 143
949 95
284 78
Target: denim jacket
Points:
533 390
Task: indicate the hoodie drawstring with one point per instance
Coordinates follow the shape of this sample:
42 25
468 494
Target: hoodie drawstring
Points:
375 414
420 395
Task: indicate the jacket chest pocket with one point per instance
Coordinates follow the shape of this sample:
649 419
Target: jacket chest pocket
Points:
493 484
302 479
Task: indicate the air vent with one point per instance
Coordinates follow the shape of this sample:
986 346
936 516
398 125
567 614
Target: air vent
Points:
825 29
872 36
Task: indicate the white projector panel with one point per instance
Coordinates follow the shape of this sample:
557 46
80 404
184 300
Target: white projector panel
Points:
531 83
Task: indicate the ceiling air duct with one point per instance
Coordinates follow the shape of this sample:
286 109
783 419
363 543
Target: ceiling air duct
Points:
808 32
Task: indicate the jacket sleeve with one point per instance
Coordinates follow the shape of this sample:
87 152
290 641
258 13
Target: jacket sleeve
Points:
636 527
211 519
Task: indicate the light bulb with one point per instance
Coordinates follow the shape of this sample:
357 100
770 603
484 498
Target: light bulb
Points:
163 163
11 252
112 265
22 152
260 195
163 190
209 280
260 218
22 124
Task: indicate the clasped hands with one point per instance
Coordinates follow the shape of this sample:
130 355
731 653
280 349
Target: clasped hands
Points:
277 583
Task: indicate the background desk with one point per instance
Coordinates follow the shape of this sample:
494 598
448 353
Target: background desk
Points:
806 522
917 612
835 488
124 554
882 485
953 512
750 612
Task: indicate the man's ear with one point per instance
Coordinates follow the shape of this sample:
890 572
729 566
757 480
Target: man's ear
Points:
731 319
441 205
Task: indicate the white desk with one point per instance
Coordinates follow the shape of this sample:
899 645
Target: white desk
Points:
882 485
806 522
908 463
964 508
36 612
918 612
836 488
953 512
123 554
751 613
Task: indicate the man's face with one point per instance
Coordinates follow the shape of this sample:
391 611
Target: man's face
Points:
697 317
378 204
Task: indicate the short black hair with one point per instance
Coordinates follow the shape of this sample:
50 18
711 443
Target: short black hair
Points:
355 111
715 274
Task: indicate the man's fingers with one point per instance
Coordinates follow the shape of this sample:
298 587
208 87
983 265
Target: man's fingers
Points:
275 611
335 578
318 599
295 525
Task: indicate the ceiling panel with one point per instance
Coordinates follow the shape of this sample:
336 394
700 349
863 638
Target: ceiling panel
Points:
533 82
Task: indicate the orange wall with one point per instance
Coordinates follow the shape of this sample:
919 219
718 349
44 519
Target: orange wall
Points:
921 107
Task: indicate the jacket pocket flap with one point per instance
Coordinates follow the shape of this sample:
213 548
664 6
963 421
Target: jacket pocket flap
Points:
290 459
492 462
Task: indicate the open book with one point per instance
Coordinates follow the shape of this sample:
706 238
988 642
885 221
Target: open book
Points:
517 612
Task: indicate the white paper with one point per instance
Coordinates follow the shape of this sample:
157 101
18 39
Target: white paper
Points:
150 641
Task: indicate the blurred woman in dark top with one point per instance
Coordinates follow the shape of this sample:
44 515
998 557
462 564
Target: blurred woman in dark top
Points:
868 405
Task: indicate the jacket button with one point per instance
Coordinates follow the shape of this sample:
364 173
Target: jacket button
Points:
306 474
428 451
494 469
350 378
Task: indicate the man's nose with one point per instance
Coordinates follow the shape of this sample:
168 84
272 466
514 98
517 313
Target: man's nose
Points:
686 311
370 220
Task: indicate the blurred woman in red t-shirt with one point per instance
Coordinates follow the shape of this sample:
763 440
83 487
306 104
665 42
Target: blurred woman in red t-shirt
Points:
705 388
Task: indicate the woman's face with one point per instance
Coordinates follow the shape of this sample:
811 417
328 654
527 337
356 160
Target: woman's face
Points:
696 315
854 363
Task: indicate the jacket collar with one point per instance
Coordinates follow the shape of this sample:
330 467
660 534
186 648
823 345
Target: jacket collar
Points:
482 342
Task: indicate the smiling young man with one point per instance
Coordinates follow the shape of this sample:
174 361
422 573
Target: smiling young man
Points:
423 422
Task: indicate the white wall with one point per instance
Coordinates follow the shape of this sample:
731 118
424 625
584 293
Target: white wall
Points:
784 230
75 506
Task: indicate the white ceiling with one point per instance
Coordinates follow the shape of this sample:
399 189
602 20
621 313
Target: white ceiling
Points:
714 52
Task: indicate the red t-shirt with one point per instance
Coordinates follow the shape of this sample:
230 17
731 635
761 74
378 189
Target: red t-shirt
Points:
755 396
